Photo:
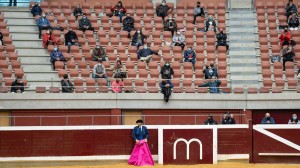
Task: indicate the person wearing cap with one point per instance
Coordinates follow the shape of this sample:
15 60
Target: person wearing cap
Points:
128 24
17 85
77 11
99 53
85 24
117 85
49 39
138 39
43 24
290 8
213 85
294 120
179 40
141 155
166 88
66 85
99 70
56 55
119 10
145 54
162 10
198 11
210 120
166 71
222 37
210 71
268 119
228 118
36 9
170 25
71 39
210 24
190 56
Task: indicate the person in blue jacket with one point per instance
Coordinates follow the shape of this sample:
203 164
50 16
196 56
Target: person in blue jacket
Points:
213 85
166 89
56 55
36 9
43 24
268 119
140 132
190 56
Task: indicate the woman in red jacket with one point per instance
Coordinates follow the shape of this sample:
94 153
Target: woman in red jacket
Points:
285 37
119 10
49 38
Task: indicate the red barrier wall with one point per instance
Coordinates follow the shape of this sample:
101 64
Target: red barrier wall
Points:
233 141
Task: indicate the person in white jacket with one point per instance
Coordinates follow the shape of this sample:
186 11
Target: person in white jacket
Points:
179 40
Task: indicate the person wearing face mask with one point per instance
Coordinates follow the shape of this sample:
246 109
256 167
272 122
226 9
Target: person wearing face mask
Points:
166 71
117 85
56 55
77 11
17 86
290 8
198 11
85 24
190 55
166 88
71 39
179 40
268 119
138 39
99 53
210 120
170 25
162 10
66 85
99 70
222 37
213 85
293 22
128 24
43 24
294 120
210 24
36 9
210 71
49 39
119 10
119 71
145 54
228 118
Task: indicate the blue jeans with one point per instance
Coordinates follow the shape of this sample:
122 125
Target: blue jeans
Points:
192 61
120 15
96 76
137 45
69 46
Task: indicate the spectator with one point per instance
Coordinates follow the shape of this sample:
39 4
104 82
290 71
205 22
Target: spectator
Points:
222 37
285 37
213 85
43 24
138 39
1 38
288 54
17 85
179 40
290 8
119 70
99 70
99 53
162 10
228 118
210 24
117 85
71 39
166 71
119 10
77 11
294 120
166 88
190 56
210 71
66 85
36 9
198 11
293 22
170 25
85 24
210 121
56 55
128 24
49 38
145 54
268 119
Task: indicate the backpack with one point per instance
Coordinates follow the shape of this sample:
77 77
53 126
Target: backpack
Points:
275 58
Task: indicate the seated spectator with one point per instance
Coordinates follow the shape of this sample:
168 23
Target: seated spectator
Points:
285 37
66 85
166 88
128 24
56 55
145 54
99 53
49 39
138 39
294 120
117 85
43 24
119 10
99 70
288 54
36 9
210 24
210 71
166 71
179 40
162 10
228 118
190 56
222 37
213 85
1 38
290 8
268 119
293 22
17 86
210 121
71 39
119 70
85 24
170 25
77 11
198 11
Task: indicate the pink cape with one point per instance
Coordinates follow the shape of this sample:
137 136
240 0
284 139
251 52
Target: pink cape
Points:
141 155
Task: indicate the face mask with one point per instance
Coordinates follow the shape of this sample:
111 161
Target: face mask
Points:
210 118
138 32
268 118
84 17
189 49
70 30
97 47
221 32
119 4
48 32
178 34
198 6
55 49
44 15
167 65
210 18
294 118
145 47
211 65
36 5
117 81
163 4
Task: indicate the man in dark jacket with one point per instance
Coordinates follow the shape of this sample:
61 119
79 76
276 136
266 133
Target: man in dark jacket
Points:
170 25
77 11
85 24
162 10
71 39
56 55
66 85
210 71
290 8
17 85
213 85
210 24
198 11
43 24
166 89
36 9
99 53
294 22
138 39
210 121
166 71
222 37
190 56
288 54
268 119
228 118
128 24
145 54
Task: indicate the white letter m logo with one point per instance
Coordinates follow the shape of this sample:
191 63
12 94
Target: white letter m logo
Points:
187 147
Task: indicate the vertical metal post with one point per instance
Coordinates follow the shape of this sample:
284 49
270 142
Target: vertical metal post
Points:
195 120
40 120
92 119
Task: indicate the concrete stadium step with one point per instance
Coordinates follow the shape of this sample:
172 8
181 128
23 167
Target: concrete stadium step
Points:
242 60
242 45
21 22
42 76
239 15
29 52
242 37
234 53
18 14
241 22
23 28
25 36
28 44
38 67
34 60
241 49
240 4
242 30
